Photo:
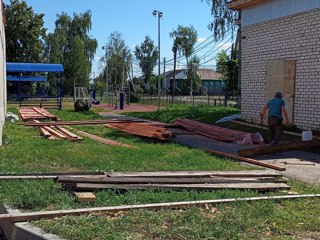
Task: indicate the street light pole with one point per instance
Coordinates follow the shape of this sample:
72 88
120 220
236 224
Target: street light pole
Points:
159 14
107 77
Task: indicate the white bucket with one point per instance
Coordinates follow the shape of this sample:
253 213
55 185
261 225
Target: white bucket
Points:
306 136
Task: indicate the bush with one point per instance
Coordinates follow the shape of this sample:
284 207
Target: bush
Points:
134 98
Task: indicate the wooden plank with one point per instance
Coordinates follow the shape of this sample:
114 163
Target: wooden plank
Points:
55 132
53 175
248 160
235 174
71 136
105 140
134 180
84 122
28 216
261 187
278 148
85 196
44 132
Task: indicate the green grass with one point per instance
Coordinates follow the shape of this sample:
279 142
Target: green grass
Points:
202 113
25 151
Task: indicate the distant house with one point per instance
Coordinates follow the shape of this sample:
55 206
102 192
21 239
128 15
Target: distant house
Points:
3 96
210 81
280 51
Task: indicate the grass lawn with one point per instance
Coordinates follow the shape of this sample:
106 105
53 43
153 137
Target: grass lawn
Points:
25 151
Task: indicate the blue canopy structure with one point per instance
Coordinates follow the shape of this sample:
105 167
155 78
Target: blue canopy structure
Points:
34 67
16 71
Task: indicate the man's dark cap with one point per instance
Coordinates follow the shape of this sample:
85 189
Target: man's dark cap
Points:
278 94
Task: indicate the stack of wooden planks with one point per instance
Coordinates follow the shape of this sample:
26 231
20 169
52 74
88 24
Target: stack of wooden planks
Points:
143 129
34 113
219 133
57 132
261 181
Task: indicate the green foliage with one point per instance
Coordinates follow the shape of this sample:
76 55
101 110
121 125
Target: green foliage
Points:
71 45
25 34
228 67
147 56
134 97
118 60
203 113
184 39
223 18
193 78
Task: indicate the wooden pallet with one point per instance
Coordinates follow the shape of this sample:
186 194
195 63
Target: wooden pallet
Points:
34 113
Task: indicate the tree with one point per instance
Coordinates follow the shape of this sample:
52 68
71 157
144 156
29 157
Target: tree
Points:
183 43
228 67
25 34
147 55
193 78
77 65
118 60
71 41
223 18
222 59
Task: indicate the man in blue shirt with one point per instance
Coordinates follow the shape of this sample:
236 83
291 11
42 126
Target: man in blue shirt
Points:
276 111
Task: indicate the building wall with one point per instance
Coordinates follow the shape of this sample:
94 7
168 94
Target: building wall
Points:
2 76
294 37
272 9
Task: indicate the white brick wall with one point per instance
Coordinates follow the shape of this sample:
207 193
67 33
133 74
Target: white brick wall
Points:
294 37
3 96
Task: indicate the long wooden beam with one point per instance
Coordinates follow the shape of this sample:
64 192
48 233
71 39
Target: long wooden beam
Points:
278 148
248 160
260 187
135 180
83 122
21 217
235 174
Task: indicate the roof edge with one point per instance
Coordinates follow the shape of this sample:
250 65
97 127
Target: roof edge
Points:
240 4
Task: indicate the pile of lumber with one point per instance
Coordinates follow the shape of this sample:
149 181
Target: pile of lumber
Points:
219 133
34 113
261 181
143 129
57 132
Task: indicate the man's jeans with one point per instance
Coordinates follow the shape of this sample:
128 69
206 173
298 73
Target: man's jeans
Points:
275 129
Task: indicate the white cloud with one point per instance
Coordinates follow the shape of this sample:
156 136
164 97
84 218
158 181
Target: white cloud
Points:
224 46
201 39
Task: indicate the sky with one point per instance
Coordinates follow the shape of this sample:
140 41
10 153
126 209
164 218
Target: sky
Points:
134 20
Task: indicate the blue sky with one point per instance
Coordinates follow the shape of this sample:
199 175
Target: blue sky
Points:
134 20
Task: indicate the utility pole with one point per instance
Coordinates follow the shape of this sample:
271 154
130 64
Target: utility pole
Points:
159 14
164 84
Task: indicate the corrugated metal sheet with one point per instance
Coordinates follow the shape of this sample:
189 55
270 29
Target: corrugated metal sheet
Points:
208 74
205 74
272 9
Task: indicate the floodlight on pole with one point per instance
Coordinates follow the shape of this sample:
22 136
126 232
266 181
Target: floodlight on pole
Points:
160 15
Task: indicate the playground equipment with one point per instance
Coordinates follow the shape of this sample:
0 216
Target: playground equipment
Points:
19 73
83 94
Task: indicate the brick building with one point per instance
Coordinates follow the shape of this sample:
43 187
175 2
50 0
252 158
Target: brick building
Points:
280 51
3 96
